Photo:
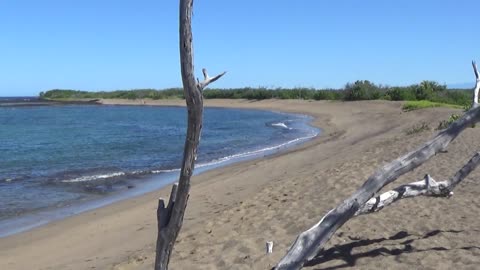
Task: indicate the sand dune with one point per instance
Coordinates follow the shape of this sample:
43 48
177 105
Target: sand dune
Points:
234 210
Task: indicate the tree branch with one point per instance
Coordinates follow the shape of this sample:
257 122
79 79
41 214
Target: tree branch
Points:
477 85
427 187
207 80
474 64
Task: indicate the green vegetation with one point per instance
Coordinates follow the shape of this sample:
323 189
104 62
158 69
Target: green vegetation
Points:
417 128
423 104
430 91
121 94
362 90
446 123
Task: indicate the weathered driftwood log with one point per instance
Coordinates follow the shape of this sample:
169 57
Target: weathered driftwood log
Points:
426 187
309 243
170 217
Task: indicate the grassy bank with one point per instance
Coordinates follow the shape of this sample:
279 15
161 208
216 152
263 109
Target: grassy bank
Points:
423 104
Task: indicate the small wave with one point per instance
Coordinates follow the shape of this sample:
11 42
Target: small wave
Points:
200 165
165 171
11 179
256 152
93 177
89 178
283 125
244 154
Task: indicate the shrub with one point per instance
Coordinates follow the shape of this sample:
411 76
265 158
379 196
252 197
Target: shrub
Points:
446 123
327 95
417 128
426 89
401 93
361 90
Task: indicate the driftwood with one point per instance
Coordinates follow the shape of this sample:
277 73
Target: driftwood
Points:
269 247
477 85
170 217
427 187
310 242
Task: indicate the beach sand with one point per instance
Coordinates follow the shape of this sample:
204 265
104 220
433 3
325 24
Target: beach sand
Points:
234 210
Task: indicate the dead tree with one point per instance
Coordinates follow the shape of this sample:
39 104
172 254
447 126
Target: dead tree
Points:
310 242
170 217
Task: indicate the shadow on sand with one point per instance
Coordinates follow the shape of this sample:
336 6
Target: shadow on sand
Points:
344 252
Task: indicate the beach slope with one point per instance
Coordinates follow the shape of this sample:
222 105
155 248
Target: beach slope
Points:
234 210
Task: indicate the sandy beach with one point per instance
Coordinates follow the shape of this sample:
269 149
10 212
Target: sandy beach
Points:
234 210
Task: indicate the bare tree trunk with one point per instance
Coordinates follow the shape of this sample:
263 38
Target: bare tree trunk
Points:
170 217
310 242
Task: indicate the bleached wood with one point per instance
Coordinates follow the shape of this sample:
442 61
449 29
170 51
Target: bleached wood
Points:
309 243
477 85
426 187
269 247
207 79
170 218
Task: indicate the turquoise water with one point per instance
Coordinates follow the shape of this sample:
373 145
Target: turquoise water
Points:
52 156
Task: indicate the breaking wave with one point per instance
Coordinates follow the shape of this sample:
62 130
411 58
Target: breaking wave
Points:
93 177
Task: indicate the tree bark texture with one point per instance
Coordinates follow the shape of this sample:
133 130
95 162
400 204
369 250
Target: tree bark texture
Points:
170 217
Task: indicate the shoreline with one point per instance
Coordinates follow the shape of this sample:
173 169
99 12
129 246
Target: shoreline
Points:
45 102
152 180
235 209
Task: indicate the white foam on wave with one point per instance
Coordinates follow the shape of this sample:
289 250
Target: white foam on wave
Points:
242 155
283 125
93 177
210 163
256 152
164 171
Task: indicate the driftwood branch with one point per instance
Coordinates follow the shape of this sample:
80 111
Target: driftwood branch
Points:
170 217
309 243
207 79
477 85
426 187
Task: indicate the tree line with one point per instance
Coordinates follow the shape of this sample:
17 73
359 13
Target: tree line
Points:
358 90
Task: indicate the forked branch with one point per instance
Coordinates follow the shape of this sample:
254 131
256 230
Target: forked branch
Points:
207 80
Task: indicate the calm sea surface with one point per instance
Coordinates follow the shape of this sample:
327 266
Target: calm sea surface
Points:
51 156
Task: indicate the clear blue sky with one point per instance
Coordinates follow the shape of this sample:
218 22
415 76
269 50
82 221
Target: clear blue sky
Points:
125 44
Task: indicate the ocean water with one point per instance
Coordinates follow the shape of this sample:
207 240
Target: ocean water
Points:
7 101
52 156
18 99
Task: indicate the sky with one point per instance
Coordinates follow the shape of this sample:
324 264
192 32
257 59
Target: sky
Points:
124 44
